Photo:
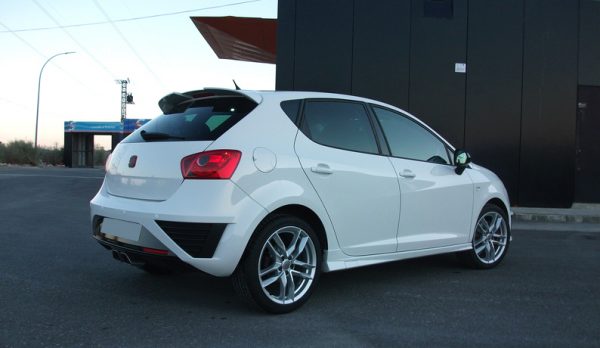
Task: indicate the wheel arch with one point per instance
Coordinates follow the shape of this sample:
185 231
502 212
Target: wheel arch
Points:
299 211
302 212
500 204
494 199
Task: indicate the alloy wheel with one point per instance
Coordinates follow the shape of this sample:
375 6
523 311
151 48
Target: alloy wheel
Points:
287 265
491 236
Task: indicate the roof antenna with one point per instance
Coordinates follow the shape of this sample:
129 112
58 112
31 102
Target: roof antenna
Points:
237 88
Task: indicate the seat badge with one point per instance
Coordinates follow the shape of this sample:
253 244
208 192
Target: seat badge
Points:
132 161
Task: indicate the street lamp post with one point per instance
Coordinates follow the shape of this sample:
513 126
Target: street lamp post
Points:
37 112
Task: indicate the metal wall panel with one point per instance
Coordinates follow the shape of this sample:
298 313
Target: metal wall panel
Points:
494 77
68 150
286 40
381 53
587 169
515 108
549 103
589 43
323 56
437 92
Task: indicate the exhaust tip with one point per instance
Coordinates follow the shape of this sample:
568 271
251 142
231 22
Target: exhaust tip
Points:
121 256
125 258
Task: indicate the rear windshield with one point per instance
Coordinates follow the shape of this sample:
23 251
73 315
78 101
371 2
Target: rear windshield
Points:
205 119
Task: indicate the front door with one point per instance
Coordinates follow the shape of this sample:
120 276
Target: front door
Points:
436 204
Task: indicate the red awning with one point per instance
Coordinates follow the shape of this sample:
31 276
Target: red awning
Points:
240 38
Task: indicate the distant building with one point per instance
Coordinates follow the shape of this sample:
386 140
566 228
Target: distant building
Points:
79 138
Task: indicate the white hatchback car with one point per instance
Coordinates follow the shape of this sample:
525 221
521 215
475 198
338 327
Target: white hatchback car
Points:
273 188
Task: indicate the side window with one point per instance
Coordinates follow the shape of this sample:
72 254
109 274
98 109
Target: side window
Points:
408 139
291 108
343 125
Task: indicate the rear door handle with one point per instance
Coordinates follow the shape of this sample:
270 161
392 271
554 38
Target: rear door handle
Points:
321 168
408 174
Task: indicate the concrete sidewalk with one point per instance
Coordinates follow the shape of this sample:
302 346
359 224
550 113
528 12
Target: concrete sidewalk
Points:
579 218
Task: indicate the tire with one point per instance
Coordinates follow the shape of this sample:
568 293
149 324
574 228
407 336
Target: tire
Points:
491 239
281 265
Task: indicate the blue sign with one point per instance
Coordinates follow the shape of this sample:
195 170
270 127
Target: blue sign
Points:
128 126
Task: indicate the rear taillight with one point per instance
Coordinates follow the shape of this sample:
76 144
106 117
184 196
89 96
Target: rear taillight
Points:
216 164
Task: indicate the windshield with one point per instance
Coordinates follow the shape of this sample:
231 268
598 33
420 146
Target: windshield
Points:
205 119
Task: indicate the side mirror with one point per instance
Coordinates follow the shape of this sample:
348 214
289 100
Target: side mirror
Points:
461 160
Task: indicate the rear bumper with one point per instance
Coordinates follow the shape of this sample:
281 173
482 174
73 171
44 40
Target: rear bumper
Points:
135 255
202 202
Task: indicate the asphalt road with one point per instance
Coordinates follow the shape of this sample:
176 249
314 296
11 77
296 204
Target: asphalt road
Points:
58 287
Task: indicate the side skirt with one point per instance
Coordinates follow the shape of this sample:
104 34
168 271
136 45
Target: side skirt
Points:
335 260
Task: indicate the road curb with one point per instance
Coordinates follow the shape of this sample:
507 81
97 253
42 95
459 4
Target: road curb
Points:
557 215
556 227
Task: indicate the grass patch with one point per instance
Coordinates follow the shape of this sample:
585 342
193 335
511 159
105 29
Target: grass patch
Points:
19 152
24 153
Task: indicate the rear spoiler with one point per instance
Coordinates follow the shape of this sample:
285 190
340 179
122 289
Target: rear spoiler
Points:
169 103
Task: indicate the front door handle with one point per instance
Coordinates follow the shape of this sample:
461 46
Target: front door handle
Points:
321 168
408 174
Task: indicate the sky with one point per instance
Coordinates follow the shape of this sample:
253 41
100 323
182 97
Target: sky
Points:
159 55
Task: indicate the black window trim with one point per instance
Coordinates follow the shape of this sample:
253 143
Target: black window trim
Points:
298 112
384 147
447 146
302 126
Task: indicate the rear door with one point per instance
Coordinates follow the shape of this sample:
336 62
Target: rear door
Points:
436 203
358 187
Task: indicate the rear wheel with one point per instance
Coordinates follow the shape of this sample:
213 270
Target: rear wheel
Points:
491 239
281 266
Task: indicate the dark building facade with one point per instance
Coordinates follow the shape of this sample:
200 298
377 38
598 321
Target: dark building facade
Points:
514 82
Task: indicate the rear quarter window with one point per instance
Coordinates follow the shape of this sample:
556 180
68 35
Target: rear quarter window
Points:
291 108
204 119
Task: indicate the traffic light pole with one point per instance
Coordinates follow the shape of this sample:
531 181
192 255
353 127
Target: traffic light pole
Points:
123 98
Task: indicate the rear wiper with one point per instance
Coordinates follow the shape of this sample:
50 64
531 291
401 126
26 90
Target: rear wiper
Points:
149 136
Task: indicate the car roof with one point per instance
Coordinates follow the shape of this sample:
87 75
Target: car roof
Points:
258 95
278 96
287 95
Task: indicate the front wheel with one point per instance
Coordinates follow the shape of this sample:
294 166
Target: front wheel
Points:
281 266
491 239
